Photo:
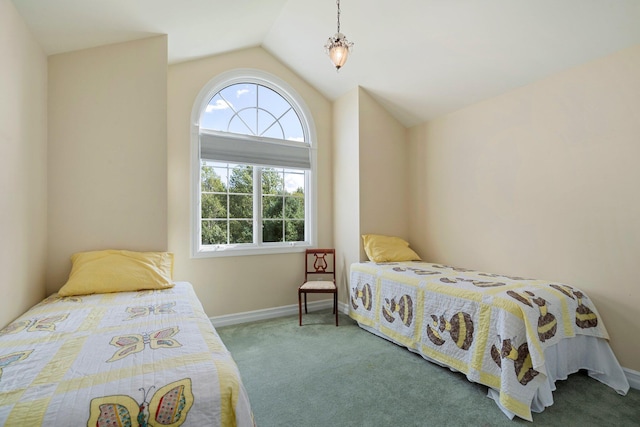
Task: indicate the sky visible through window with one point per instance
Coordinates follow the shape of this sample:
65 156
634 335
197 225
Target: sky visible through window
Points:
252 109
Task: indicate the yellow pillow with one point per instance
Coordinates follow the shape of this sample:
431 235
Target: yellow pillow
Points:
118 271
388 248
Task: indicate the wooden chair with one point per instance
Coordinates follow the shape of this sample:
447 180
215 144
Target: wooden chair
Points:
319 277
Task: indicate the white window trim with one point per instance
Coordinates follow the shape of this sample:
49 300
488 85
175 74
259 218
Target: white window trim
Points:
248 75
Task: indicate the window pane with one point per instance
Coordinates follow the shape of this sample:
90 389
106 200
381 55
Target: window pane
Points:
211 178
295 231
217 114
241 124
240 206
294 182
222 170
240 96
241 179
272 182
292 126
214 233
241 231
214 205
294 207
272 231
272 207
269 126
272 101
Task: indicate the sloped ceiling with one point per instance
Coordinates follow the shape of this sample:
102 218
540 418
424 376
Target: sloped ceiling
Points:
418 58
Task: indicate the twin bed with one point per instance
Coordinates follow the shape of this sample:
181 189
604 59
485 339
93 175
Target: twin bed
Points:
515 335
147 357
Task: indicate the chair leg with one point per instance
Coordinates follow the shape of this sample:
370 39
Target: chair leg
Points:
305 304
299 309
335 306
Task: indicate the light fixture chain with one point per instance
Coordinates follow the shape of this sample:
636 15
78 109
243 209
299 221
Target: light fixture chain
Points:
338 47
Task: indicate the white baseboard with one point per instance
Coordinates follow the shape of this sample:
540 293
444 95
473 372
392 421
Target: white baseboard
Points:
270 313
633 377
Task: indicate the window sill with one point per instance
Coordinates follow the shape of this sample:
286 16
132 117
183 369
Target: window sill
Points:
246 251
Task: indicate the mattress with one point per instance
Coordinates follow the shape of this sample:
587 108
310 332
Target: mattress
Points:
515 335
148 357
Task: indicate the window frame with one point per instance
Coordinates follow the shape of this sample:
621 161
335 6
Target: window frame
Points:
209 90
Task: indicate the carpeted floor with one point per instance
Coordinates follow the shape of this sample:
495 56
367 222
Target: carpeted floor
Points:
320 375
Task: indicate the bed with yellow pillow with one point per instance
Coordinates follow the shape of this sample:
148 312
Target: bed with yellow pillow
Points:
513 334
119 344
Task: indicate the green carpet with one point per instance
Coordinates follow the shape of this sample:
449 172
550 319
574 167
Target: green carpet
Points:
323 375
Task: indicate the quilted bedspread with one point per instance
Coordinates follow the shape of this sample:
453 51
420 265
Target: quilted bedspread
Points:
130 358
492 328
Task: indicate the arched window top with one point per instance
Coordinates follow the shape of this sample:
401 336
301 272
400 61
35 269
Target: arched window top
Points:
255 104
252 109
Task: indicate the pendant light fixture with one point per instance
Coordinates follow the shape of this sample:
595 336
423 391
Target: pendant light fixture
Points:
338 47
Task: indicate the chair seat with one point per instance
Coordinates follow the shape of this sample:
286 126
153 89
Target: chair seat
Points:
318 285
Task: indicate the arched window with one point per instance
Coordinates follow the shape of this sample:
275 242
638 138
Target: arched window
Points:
253 167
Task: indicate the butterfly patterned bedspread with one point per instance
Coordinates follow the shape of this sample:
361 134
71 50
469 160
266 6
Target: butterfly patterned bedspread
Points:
129 358
490 327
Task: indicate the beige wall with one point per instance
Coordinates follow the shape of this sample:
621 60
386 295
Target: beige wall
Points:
23 166
542 182
384 174
346 186
228 285
107 151
370 177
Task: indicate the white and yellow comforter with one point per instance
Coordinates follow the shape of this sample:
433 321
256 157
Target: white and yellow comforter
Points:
148 358
493 328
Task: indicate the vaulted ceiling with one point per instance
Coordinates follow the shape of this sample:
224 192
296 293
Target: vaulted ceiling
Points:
419 58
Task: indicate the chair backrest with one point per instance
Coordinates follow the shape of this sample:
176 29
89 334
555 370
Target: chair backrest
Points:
320 264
